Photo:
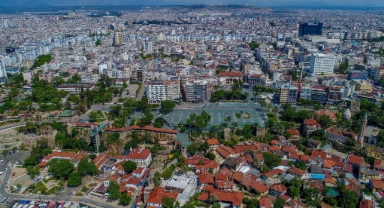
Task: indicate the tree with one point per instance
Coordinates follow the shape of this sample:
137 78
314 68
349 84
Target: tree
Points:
13 93
330 200
33 171
271 160
348 199
82 107
212 198
158 123
192 149
87 167
275 110
167 202
279 203
67 105
228 119
114 190
167 105
60 169
211 156
216 205
74 180
125 199
93 116
325 121
167 174
129 166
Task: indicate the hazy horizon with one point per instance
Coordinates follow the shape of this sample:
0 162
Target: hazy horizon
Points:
311 3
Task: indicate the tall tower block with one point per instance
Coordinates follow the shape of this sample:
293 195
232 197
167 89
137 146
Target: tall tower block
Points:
360 137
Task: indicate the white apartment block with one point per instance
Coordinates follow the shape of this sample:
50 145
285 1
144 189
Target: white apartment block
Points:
158 91
322 64
3 73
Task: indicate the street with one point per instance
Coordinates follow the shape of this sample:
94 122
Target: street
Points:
6 167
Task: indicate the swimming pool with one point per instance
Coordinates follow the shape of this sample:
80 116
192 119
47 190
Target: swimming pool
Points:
318 176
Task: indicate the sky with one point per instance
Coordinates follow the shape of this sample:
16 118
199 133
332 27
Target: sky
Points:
188 2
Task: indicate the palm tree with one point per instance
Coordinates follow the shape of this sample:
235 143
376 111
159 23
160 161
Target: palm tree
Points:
212 198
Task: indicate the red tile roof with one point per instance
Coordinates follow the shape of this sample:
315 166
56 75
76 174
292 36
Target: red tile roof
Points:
355 160
159 193
278 187
273 172
139 153
213 142
378 184
265 202
297 171
310 122
259 187
206 179
379 163
317 153
293 132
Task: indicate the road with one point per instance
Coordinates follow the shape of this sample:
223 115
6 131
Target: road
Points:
6 167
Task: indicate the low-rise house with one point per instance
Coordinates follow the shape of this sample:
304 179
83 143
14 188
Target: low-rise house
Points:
340 135
157 195
141 156
297 172
355 160
277 190
266 202
260 188
309 126
205 179
213 143
379 165
273 175
225 152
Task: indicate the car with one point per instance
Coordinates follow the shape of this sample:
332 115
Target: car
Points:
14 173
1 161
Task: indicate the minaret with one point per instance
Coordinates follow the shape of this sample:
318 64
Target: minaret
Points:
360 138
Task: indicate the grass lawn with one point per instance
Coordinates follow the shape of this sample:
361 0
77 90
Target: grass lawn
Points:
40 187
84 189
49 179
54 190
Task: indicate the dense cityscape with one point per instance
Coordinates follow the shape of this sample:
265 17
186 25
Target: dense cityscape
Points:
192 106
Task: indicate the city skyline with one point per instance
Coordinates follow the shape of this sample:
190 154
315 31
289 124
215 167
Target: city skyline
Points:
309 3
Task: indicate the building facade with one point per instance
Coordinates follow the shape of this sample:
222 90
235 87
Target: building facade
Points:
322 64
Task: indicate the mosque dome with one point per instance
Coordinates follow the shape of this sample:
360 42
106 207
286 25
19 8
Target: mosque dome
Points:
347 114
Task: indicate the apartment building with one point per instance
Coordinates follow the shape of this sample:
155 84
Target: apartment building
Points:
197 91
288 94
158 91
322 64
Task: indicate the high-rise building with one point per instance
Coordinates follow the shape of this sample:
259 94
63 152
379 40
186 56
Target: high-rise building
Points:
3 72
118 39
310 29
322 64
158 91
148 46
197 91
288 94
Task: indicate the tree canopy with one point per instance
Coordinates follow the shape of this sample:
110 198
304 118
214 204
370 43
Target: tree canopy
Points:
74 179
60 168
87 167
113 190
167 105
129 166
